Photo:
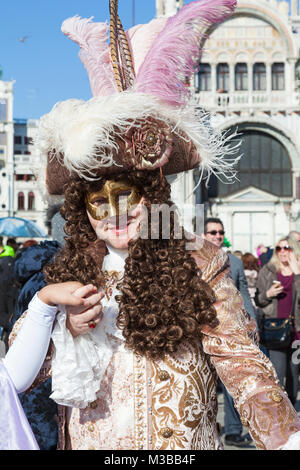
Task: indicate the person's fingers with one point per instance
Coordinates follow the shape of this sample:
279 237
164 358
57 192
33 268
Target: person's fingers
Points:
91 314
95 298
74 301
77 309
279 290
95 321
88 303
85 290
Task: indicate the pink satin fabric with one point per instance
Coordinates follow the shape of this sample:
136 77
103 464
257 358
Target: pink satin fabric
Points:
15 431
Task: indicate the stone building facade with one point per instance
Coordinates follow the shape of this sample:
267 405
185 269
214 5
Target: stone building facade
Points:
6 148
20 195
249 79
28 200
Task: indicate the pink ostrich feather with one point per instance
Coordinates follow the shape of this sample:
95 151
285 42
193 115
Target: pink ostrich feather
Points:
94 52
141 38
175 53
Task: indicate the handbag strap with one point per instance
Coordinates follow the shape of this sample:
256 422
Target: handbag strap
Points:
291 315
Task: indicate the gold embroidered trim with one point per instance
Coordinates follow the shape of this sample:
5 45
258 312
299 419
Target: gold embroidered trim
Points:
140 403
111 278
276 396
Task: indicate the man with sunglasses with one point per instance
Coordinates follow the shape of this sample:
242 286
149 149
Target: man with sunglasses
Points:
214 233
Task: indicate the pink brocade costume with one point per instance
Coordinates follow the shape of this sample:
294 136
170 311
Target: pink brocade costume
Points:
172 404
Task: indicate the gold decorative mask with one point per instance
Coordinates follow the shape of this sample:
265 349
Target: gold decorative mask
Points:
114 199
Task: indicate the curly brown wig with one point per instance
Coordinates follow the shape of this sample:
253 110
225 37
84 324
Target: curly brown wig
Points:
163 300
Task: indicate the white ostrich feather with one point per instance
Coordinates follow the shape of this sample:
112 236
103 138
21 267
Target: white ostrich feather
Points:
83 132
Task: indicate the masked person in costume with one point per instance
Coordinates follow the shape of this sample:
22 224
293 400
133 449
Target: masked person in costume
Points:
142 325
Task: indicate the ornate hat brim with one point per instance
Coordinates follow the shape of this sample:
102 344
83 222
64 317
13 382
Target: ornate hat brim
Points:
109 135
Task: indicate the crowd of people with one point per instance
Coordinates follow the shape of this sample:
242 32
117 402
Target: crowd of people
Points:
273 284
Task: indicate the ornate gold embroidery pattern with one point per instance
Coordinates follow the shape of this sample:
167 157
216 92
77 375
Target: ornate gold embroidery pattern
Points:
276 396
267 418
111 278
140 403
185 406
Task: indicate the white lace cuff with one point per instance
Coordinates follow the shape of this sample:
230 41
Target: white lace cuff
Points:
78 364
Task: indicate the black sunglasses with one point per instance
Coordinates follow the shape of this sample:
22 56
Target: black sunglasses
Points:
214 232
285 248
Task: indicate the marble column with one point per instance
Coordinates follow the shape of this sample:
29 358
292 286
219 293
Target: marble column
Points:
250 83
294 7
231 78
269 81
214 81
290 75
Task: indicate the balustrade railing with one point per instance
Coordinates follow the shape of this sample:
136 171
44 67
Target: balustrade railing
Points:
257 99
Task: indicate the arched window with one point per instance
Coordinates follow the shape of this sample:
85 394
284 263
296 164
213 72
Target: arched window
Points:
204 77
278 82
265 164
21 202
241 77
259 76
31 201
223 77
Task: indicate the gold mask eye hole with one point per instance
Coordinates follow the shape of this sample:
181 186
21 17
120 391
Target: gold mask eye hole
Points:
98 202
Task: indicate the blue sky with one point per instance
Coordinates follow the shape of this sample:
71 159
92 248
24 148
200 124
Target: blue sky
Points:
45 67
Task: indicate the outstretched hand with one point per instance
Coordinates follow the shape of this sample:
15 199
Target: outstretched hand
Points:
64 294
82 304
80 319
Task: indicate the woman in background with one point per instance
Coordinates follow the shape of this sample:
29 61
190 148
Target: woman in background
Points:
278 295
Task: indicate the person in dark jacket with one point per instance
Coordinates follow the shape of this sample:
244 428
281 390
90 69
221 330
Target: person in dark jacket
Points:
264 254
8 296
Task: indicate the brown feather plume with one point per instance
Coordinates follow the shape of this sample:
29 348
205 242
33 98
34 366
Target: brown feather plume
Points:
119 49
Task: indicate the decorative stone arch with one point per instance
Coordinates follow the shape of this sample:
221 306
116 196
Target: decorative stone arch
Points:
259 56
223 56
263 13
263 124
277 57
206 58
241 57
